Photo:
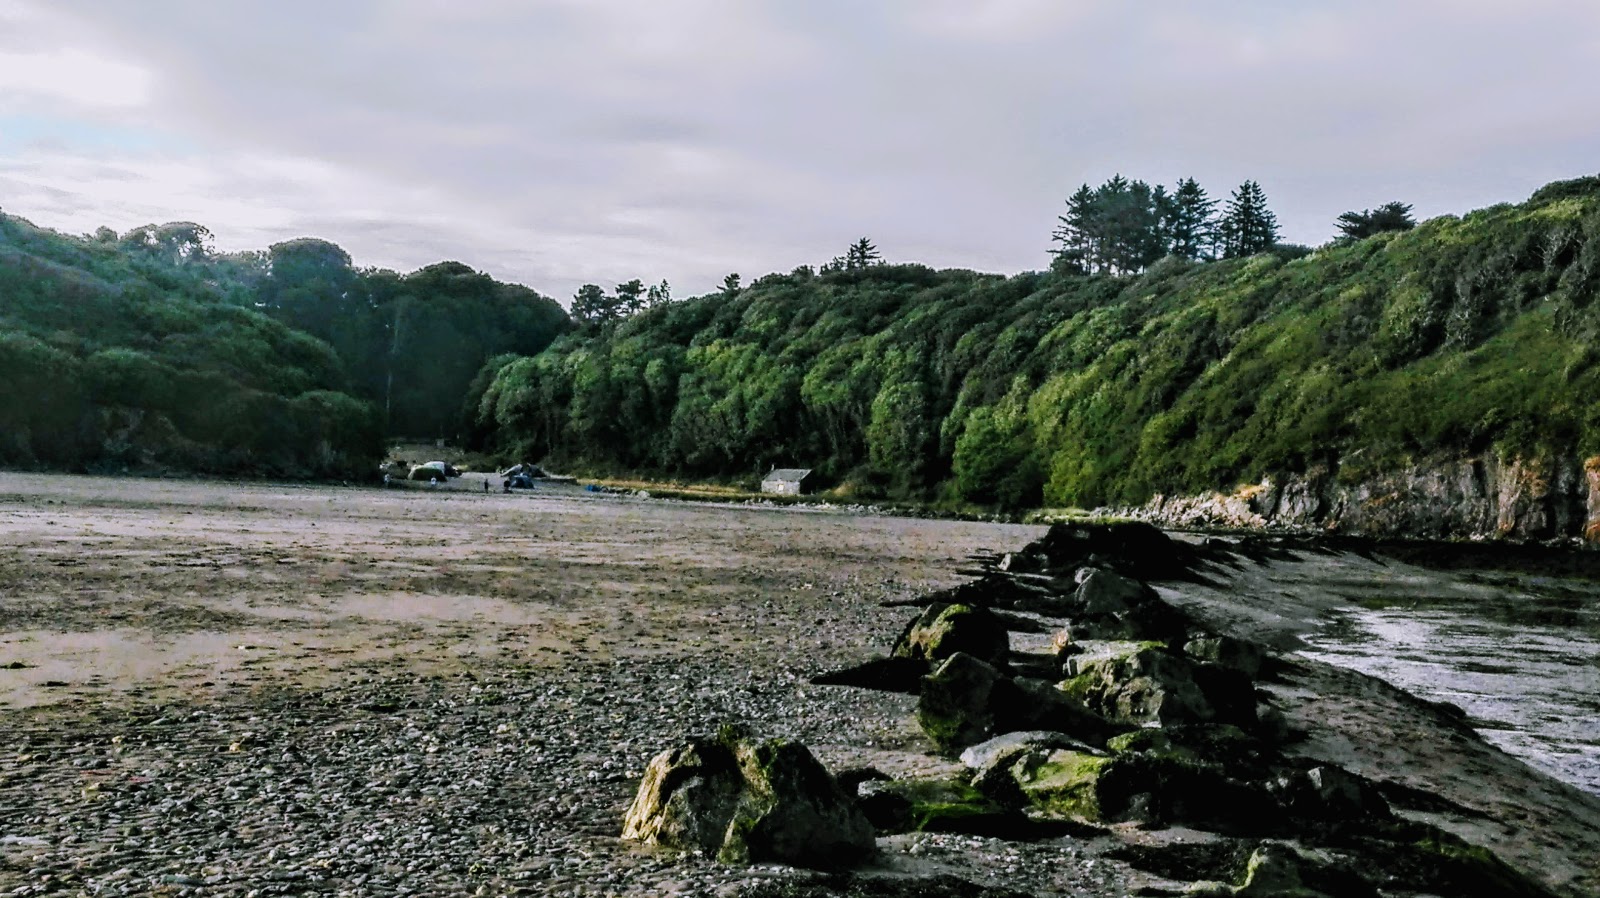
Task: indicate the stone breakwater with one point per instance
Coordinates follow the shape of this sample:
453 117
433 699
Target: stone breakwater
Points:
1135 723
1487 497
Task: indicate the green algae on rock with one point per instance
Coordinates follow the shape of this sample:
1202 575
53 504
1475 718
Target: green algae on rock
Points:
748 801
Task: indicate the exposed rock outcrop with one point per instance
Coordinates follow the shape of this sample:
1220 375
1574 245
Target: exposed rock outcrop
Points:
1488 497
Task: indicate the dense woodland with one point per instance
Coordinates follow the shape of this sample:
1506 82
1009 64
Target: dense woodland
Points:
1173 346
149 351
1390 345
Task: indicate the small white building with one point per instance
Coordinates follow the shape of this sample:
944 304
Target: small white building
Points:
786 481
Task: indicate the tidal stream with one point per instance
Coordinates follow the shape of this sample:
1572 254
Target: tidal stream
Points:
1520 654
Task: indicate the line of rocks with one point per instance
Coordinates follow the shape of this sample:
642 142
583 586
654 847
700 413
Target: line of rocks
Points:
1135 716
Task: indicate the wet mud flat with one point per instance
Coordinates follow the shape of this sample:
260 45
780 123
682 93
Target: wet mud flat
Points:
215 689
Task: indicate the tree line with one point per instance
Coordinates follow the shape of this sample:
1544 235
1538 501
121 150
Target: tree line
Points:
1063 388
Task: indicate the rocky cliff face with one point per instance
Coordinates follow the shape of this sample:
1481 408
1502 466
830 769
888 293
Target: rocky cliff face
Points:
1493 497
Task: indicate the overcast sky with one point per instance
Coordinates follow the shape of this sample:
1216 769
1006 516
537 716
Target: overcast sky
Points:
555 142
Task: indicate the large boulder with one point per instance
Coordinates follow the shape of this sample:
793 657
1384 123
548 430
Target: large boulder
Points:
1138 683
748 801
966 701
956 707
1106 592
1132 548
945 629
1145 788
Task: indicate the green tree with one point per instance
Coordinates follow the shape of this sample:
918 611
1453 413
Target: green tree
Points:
1191 222
730 286
1247 226
861 254
590 304
658 295
1395 216
630 298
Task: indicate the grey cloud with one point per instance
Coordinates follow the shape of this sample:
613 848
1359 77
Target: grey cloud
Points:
570 141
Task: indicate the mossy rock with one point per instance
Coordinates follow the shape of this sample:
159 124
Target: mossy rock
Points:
1066 784
1132 548
967 701
1227 651
943 630
1232 749
745 800
1144 787
948 804
955 707
1137 683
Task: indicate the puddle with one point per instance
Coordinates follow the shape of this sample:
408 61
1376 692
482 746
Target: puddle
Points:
1520 655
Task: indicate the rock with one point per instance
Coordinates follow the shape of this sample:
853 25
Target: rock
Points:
943 630
748 801
1278 870
1137 683
967 701
1065 783
1145 788
1104 592
936 805
995 751
1227 651
955 708
1230 693
1228 747
1132 548
1328 792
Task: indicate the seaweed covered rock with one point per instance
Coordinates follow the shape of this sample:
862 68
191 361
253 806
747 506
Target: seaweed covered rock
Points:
1145 787
966 701
1138 683
943 630
948 804
1278 870
744 800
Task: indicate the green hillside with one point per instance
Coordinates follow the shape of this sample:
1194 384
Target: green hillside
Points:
148 350
120 357
1460 336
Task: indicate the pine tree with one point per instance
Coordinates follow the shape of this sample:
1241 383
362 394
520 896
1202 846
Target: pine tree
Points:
590 303
730 286
1191 224
1394 216
630 297
1248 227
861 254
1075 252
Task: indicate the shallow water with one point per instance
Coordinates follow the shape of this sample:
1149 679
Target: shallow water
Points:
1521 655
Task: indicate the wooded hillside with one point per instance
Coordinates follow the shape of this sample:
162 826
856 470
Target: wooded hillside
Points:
1459 336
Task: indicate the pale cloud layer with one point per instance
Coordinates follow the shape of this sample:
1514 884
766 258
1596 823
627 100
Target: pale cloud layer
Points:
554 142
